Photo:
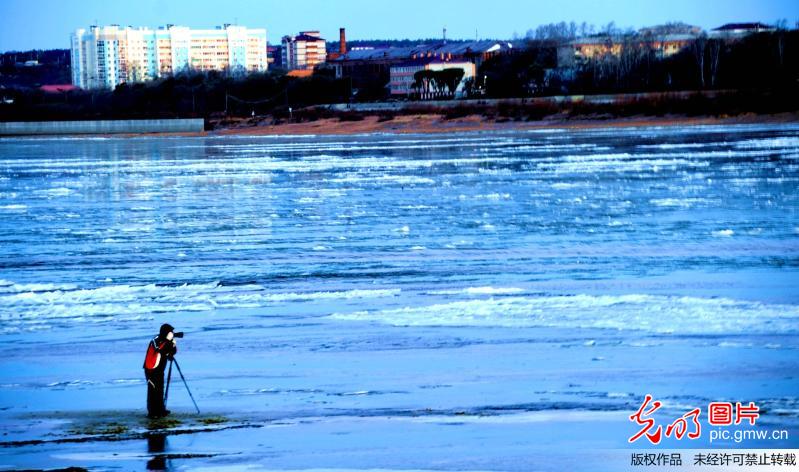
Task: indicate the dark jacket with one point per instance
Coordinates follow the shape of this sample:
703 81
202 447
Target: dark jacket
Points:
164 347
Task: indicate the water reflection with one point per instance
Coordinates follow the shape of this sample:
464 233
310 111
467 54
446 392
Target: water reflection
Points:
156 445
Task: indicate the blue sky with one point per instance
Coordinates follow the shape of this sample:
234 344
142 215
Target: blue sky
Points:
29 24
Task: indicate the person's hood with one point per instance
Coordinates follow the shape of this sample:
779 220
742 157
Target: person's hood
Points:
165 329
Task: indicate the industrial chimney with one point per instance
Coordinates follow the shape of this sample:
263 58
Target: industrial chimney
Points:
342 41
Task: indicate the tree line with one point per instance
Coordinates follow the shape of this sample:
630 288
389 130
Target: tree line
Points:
765 61
191 94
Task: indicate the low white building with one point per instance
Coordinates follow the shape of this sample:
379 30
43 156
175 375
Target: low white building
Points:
402 76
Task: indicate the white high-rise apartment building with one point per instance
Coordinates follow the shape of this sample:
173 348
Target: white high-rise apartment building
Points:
103 57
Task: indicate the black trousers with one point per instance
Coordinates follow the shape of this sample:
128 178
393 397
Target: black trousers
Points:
155 392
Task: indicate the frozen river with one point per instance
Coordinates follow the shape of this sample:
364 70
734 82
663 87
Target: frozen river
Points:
479 299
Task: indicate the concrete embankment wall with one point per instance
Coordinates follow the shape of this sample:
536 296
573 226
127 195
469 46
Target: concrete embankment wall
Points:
21 128
559 99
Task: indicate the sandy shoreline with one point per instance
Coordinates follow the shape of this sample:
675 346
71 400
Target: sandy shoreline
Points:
429 124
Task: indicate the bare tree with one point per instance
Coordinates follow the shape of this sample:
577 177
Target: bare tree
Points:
714 49
647 56
782 27
627 60
553 32
610 29
699 46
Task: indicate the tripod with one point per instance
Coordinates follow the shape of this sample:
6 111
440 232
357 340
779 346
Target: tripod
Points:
172 360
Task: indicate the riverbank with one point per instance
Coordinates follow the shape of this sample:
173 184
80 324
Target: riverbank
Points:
687 108
436 123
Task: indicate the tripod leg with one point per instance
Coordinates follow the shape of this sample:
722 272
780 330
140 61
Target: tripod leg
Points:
187 385
168 380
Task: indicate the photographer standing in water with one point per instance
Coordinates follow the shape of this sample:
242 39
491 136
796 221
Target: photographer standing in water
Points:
159 352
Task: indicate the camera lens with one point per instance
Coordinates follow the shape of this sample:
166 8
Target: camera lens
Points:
179 334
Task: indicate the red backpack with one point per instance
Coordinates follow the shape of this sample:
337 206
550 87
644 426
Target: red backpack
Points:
153 357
